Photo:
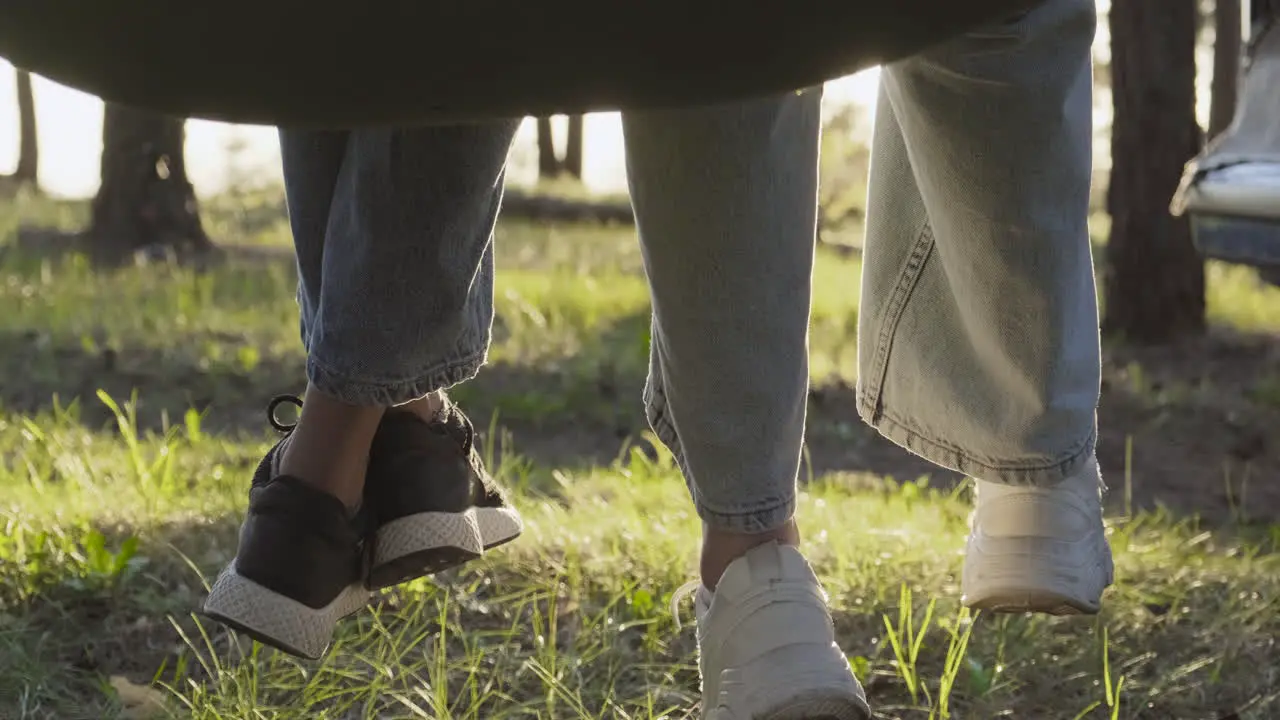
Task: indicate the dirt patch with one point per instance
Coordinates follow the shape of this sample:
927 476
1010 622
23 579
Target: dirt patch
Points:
1202 419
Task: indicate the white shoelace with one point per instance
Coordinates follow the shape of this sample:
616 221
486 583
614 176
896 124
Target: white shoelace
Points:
680 595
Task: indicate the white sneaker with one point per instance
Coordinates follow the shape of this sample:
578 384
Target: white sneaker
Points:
1038 549
767 647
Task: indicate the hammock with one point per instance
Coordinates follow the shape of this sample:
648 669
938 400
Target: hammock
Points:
405 62
1232 189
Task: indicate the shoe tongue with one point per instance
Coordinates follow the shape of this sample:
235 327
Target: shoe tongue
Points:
702 600
454 424
763 564
406 424
448 420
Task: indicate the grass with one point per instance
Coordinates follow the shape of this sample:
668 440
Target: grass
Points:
115 513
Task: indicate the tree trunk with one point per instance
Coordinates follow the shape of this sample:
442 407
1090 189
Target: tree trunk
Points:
1155 277
1227 39
573 147
145 201
28 169
548 163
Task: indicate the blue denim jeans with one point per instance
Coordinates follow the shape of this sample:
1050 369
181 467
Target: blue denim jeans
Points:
978 329
394 234
978 341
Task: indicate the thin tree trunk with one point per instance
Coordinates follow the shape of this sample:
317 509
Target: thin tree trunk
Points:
548 163
1227 41
145 200
28 170
1155 281
573 147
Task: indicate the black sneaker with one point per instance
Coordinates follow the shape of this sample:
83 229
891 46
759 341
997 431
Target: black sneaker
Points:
299 568
429 503
429 499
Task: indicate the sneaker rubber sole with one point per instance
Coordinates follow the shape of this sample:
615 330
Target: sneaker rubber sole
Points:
426 543
818 707
830 690
276 620
1035 575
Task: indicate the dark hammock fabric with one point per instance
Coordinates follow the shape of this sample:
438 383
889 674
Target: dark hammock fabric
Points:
346 64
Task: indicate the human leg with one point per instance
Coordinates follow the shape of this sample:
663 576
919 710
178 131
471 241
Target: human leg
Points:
393 230
978 335
725 202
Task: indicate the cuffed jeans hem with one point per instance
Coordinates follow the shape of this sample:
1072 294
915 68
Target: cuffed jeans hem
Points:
771 515
1017 472
394 392
751 522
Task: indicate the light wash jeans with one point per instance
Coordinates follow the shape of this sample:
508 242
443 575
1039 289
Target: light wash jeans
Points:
978 341
394 236
979 331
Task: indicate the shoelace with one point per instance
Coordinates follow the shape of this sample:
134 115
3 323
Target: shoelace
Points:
681 594
276 402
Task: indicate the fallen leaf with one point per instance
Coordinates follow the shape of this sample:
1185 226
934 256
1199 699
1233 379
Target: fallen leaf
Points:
140 702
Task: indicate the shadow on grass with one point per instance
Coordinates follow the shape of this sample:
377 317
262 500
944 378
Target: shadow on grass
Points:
1192 427
169 380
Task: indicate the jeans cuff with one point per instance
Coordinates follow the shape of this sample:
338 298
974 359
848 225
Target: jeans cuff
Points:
750 522
1034 472
769 515
389 393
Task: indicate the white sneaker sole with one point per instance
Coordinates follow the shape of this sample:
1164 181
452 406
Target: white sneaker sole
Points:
276 620
767 689
1038 575
817 705
426 543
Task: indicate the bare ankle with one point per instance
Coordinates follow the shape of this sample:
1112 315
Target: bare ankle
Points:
721 547
329 448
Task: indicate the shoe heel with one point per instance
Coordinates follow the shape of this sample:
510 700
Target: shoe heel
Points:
423 544
498 525
816 683
275 620
1003 576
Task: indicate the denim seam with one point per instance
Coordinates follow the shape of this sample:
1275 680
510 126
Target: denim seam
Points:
906 434
759 519
394 392
913 267
665 430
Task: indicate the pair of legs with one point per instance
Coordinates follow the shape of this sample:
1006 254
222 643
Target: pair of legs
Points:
394 230
394 236
978 332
